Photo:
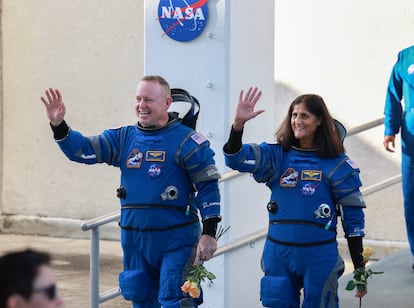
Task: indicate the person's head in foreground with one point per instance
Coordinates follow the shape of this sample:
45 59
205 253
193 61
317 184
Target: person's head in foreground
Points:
27 281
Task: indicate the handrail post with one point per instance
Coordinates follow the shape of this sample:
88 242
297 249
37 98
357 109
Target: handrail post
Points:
94 268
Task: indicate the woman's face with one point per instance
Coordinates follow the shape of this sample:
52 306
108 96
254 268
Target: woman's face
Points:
304 125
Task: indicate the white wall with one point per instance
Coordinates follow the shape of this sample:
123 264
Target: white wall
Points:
342 50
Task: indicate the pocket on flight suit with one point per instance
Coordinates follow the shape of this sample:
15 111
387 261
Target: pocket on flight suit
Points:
135 285
277 291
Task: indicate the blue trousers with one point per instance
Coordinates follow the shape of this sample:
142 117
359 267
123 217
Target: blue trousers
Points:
156 264
407 173
289 269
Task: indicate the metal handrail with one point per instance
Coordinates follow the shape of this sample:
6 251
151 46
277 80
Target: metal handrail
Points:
100 220
380 185
363 127
249 239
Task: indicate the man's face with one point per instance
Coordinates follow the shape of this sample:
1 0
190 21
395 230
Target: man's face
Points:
152 103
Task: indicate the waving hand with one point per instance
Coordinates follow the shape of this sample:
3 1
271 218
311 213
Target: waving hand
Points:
245 108
55 108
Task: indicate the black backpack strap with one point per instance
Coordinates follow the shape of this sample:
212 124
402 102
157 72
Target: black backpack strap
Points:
341 129
185 106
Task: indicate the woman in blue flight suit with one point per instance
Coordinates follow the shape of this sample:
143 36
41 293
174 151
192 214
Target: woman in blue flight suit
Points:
311 181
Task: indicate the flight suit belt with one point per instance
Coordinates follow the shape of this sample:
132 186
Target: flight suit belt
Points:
310 244
127 228
159 206
302 222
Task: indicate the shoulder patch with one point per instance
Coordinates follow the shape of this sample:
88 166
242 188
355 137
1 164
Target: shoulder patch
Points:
352 163
199 138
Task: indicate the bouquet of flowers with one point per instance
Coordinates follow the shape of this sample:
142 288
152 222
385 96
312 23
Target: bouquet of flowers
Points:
199 273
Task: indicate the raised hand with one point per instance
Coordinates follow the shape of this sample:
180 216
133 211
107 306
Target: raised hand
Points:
55 108
245 108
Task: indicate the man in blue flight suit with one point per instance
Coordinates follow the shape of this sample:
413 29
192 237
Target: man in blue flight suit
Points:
401 88
168 177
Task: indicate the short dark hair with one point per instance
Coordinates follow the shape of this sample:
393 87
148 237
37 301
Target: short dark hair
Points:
160 80
18 270
327 140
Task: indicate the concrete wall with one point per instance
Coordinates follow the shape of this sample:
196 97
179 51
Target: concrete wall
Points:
93 52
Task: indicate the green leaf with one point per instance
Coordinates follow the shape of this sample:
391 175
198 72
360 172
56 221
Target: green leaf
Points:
360 279
210 276
350 285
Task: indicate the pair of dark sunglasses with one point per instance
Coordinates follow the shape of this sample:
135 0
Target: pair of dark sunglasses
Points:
49 291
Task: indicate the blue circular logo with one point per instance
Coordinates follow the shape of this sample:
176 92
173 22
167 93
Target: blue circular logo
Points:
183 20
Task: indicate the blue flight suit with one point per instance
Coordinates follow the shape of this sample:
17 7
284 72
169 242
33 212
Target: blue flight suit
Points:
401 85
168 176
306 193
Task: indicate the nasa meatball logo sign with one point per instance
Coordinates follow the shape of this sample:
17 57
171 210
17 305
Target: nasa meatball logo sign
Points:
183 20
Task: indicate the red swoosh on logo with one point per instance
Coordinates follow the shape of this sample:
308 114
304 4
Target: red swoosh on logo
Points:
194 6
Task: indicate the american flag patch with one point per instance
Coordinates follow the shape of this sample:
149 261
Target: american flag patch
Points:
352 163
199 138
